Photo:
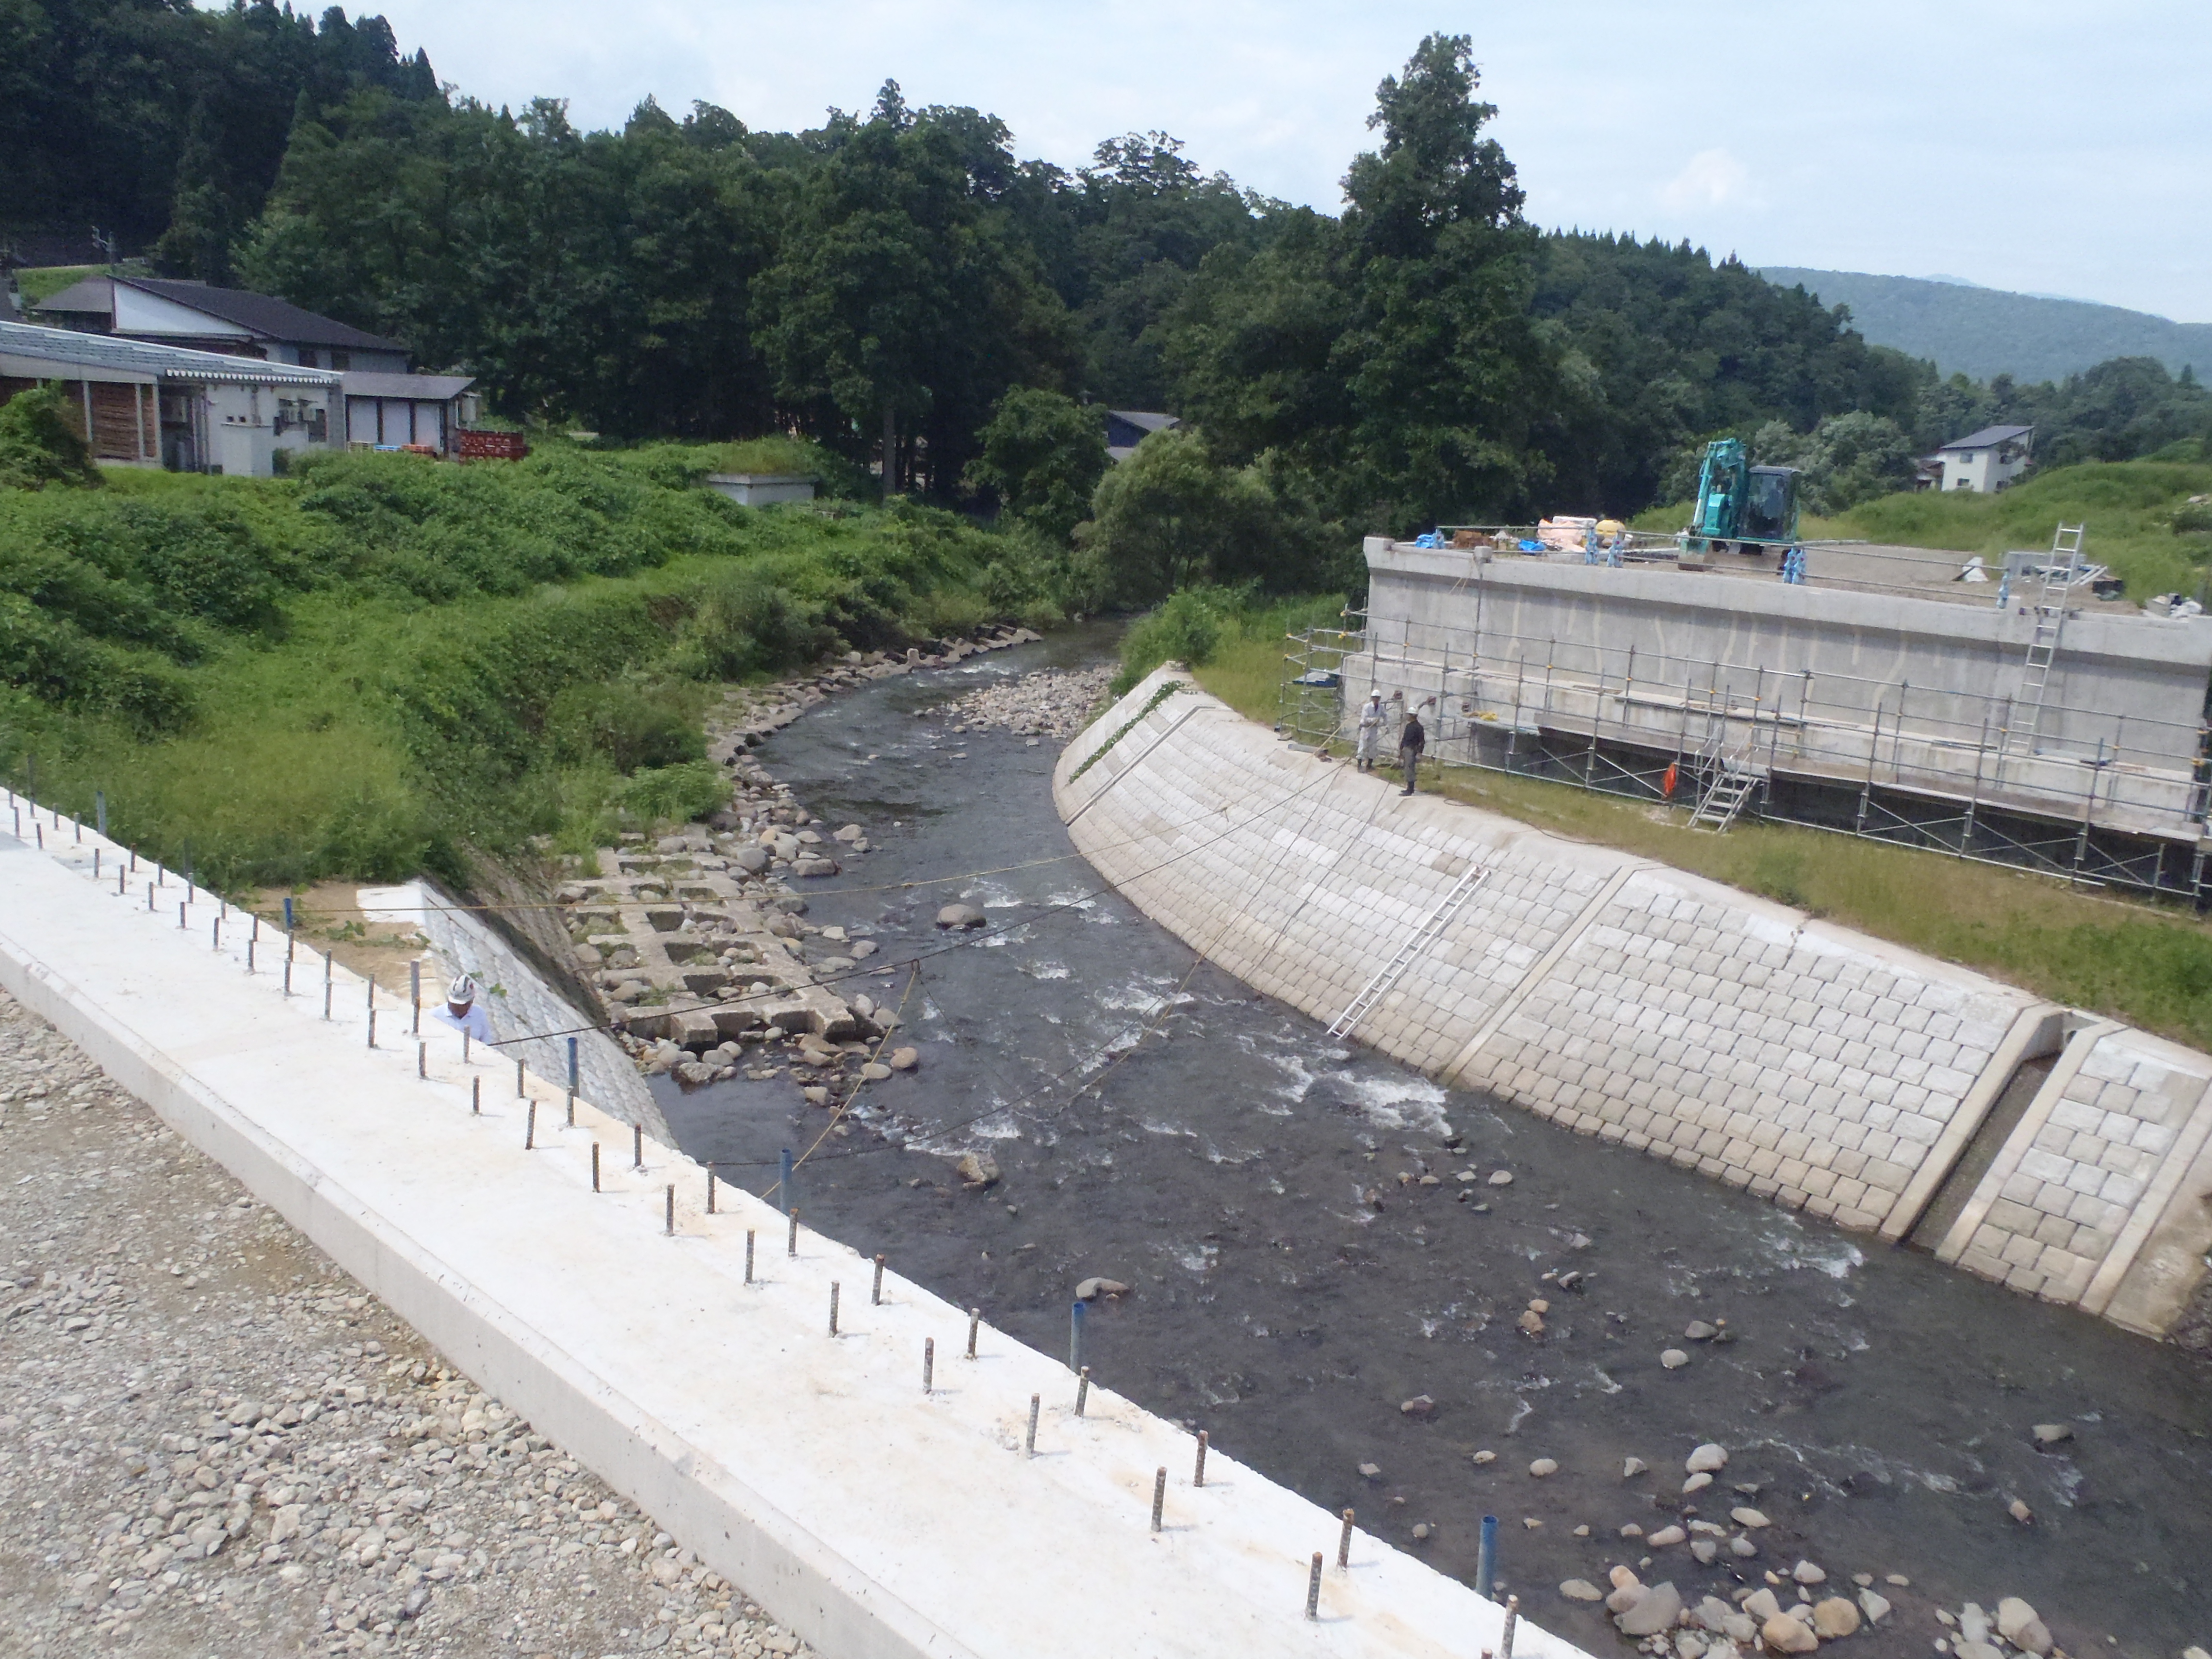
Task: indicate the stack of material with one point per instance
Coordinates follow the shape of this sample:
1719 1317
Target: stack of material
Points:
1565 533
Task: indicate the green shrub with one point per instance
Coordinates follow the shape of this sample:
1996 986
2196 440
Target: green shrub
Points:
1185 629
676 793
37 447
630 726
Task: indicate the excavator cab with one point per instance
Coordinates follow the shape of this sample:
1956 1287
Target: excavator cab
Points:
1740 507
1770 507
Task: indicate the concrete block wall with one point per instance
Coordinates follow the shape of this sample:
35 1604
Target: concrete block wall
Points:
2093 1168
1829 1071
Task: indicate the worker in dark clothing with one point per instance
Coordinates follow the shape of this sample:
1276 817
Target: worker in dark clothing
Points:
1411 739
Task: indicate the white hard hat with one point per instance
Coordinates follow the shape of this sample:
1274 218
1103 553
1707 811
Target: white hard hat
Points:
463 989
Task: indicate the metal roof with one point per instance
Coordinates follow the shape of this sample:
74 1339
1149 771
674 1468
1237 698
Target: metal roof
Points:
1989 437
431 388
65 347
258 313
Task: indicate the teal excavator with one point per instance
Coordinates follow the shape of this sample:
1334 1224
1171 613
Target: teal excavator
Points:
1742 508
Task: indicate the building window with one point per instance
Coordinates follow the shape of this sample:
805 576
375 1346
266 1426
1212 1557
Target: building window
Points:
341 360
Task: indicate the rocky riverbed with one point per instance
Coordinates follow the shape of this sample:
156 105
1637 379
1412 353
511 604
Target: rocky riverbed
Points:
214 1442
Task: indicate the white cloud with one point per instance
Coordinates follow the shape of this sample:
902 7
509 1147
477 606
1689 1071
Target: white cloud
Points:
1713 179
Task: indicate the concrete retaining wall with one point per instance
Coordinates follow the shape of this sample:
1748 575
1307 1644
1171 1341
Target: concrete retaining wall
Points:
868 1516
1823 1068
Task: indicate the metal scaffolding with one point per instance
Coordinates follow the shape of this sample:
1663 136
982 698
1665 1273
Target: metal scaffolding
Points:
1967 774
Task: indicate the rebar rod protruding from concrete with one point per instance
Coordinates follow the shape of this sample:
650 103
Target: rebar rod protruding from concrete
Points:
475 1097
1159 1494
834 1288
1344 1545
1029 1446
529 1128
249 956
1075 1313
637 1150
372 1028
1312 1588
326 992
215 934
1198 1471
465 1051
785 1170
572 1108
710 1189
520 1090
928 1362
180 916
415 996
1512 1618
672 1210
876 1291
288 977
595 1166
975 1319
1486 1556
1082 1389
791 1239
422 1059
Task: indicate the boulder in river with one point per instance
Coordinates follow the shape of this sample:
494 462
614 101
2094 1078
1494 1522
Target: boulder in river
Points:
961 916
1706 1459
1544 1467
1632 1467
2050 1434
1875 1606
1666 1535
1581 1589
905 1060
1785 1635
1674 1359
978 1169
1748 1518
1421 1406
1834 1617
1092 1289
1655 1611
2018 1624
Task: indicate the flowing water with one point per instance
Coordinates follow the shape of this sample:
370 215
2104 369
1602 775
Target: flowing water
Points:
1257 1183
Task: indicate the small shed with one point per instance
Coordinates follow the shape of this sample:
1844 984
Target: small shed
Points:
408 411
763 489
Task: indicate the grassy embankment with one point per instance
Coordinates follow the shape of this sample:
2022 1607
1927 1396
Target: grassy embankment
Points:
383 665
2143 963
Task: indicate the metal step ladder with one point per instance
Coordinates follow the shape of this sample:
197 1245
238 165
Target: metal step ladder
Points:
1416 946
2060 575
1722 803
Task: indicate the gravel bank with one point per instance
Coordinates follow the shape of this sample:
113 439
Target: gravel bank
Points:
1051 702
214 1442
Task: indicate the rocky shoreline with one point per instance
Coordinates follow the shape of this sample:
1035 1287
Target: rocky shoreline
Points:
697 943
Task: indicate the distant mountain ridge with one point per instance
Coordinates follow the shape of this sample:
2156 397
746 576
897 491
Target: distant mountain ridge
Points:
1984 332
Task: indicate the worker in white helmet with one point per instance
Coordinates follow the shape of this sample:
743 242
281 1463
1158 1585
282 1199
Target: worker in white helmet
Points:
461 1011
1371 717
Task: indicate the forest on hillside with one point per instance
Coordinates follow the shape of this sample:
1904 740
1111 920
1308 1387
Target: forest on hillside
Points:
882 283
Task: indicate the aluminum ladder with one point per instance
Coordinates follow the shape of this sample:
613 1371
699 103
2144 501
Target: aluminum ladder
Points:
1416 944
2050 611
1722 803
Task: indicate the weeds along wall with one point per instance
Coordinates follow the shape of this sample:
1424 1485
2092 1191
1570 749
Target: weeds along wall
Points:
1828 1070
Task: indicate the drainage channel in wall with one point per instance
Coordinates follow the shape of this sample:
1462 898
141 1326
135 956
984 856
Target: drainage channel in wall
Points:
1958 1189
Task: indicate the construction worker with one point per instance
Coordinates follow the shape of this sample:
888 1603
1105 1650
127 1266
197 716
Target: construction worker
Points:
461 1011
1413 738
1370 731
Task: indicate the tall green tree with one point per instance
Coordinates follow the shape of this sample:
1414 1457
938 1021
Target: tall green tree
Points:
1042 456
903 303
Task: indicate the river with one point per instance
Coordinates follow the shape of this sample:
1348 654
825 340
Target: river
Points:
1257 1184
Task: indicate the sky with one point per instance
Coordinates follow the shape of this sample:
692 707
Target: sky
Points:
2047 148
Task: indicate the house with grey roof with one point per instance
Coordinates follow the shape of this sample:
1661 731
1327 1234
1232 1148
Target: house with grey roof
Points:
1986 461
386 405
1127 428
137 405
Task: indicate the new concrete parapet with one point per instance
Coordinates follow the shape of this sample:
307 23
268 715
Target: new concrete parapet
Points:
869 1517
1830 1070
